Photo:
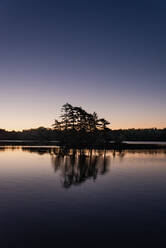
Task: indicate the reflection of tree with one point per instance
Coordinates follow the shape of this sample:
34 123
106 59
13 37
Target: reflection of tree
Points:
2 149
10 148
120 153
77 166
39 150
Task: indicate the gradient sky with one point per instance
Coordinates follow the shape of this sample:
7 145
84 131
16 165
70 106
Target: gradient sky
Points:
106 56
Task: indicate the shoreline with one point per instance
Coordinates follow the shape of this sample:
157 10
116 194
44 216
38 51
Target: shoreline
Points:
111 146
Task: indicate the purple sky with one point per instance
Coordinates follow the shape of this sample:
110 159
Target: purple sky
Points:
106 56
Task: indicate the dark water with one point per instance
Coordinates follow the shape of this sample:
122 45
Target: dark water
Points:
58 198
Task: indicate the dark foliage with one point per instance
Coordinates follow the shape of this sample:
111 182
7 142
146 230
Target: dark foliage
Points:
77 128
149 134
76 165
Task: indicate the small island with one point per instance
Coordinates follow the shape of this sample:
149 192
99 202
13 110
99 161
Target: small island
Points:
76 128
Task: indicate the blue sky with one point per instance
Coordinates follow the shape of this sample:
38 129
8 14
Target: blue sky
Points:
107 56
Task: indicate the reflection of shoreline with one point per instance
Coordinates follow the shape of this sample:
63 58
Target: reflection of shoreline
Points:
41 150
76 166
126 145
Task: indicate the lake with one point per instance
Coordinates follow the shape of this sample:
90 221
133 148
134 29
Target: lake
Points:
52 197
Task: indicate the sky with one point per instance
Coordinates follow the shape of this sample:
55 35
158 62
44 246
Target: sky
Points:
106 56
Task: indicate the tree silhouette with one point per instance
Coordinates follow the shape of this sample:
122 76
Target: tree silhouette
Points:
78 127
103 124
78 119
57 125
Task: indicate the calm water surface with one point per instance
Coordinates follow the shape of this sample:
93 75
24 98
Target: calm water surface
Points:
50 197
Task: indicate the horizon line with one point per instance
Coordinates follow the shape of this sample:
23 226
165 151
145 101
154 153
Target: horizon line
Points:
114 129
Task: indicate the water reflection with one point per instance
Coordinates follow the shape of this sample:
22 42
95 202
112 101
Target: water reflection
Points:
75 166
129 202
62 151
78 166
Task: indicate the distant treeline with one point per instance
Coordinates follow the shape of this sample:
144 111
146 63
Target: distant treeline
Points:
48 134
76 127
148 134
